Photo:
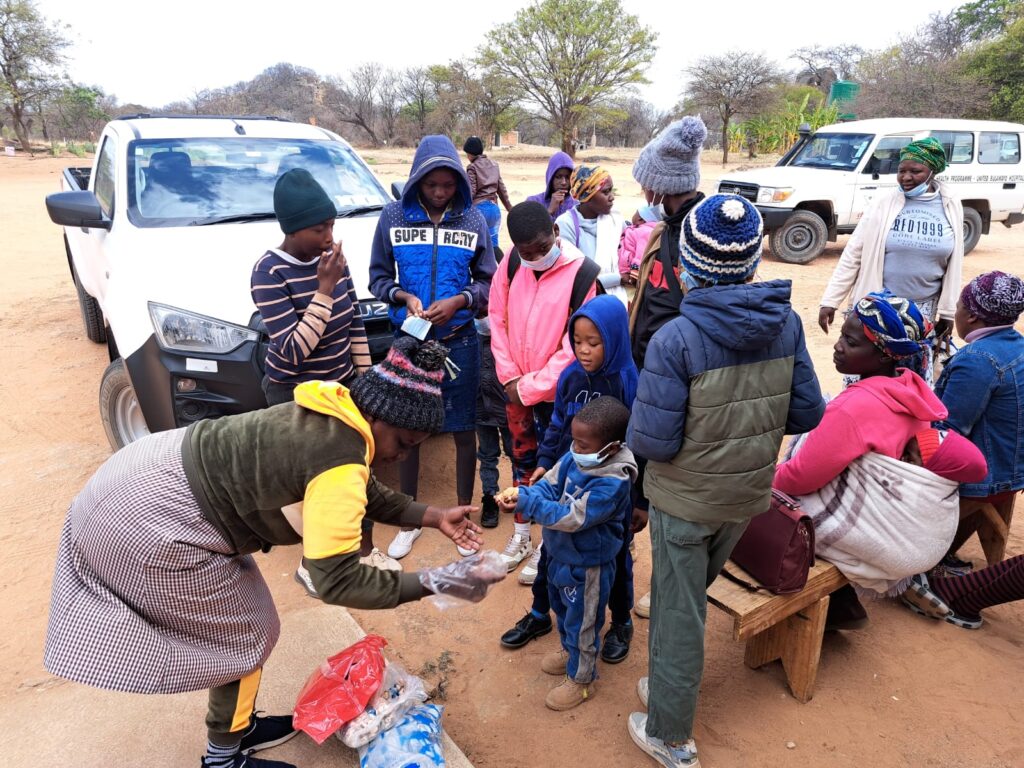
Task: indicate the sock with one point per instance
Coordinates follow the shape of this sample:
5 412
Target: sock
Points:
537 614
220 757
522 529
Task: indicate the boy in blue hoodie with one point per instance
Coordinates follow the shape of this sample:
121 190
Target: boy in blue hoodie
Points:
599 332
584 503
721 384
432 259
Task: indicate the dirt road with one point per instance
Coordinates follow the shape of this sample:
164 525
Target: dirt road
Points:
903 692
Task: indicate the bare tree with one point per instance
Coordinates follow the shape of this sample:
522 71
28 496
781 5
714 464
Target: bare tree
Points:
354 100
826 64
389 103
418 91
734 84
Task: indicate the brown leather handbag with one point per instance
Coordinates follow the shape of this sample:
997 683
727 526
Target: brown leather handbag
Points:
777 548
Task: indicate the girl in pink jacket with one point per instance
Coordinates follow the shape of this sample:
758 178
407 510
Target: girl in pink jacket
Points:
531 348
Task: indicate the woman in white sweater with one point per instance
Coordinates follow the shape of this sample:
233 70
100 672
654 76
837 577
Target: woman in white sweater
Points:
910 242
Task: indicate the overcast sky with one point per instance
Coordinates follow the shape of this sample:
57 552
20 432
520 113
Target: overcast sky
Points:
154 53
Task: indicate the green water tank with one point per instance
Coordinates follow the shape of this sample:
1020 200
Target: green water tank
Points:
842 94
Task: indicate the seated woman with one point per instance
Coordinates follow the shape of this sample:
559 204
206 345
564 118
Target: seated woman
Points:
847 471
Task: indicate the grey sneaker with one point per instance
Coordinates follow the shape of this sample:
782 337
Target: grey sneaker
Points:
302 576
643 689
671 756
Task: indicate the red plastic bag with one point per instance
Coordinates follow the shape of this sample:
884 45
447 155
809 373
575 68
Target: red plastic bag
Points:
340 688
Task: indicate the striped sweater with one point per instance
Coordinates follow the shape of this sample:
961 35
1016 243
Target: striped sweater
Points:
312 335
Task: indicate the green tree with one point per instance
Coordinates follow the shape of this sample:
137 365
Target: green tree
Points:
30 52
569 58
998 63
81 111
987 19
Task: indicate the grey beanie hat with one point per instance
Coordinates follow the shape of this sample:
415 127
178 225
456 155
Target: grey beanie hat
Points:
404 389
670 163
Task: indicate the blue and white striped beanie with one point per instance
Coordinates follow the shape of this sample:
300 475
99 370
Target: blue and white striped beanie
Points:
721 240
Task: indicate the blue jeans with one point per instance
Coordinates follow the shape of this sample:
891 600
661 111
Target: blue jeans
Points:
492 215
491 441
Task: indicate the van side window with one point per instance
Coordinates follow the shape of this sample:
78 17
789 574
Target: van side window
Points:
104 186
959 145
998 148
885 158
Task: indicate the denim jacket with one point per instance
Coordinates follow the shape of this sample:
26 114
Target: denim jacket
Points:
983 389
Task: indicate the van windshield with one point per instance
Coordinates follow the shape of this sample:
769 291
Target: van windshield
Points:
191 182
836 151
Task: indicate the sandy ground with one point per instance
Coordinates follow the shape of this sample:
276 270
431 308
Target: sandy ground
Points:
903 692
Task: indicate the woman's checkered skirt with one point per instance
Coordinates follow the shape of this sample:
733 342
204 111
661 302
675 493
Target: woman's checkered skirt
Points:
148 597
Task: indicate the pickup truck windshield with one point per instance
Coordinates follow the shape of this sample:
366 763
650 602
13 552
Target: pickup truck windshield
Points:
836 151
192 182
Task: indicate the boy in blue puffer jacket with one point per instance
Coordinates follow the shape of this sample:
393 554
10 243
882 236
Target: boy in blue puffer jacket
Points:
432 259
599 332
584 503
721 384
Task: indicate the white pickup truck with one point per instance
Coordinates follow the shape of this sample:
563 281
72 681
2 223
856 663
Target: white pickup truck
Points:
822 185
161 236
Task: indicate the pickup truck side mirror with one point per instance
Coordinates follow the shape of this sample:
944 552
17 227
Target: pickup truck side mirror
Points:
397 188
76 209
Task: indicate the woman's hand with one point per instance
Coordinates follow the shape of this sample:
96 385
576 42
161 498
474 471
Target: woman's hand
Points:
442 310
826 316
512 392
330 269
943 328
454 523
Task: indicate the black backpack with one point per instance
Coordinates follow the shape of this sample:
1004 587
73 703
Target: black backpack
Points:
586 276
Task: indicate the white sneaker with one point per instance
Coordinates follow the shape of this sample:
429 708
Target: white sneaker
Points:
642 607
517 550
643 689
671 756
305 580
529 574
379 560
401 545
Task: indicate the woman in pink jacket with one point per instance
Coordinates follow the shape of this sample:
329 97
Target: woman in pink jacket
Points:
531 347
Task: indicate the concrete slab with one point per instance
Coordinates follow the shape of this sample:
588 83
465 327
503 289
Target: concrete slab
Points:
54 722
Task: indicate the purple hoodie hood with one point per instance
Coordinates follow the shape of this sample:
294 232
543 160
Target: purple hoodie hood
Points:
558 161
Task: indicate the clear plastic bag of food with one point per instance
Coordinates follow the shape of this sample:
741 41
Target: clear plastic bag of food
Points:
465 580
399 692
339 689
415 742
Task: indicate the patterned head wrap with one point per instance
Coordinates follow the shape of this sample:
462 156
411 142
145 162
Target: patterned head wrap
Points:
995 298
586 181
927 152
895 325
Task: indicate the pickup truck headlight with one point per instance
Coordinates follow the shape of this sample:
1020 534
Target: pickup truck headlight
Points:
181 331
774 194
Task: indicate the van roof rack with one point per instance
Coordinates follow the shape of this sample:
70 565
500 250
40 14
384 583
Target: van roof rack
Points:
149 115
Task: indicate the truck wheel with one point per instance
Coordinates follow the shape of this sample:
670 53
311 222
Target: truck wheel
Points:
92 315
119 407
800 240
972 229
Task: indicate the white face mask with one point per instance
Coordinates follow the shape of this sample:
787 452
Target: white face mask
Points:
545 263
591 460
920 189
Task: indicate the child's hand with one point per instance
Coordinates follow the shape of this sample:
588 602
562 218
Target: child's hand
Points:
639 520
508 499
413 305
557 198
442 310
512 392
538 473
330 269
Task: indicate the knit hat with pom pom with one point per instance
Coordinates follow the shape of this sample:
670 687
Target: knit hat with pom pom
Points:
404 389
670 163
721 240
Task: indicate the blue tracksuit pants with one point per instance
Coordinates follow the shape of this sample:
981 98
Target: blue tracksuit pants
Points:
579 596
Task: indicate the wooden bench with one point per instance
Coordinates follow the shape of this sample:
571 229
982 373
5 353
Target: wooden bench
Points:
786 627
990 521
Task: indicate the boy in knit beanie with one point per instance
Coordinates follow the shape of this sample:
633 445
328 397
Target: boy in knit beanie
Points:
305 295
722 383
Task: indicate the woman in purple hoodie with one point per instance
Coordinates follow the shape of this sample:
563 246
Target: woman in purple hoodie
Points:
555 196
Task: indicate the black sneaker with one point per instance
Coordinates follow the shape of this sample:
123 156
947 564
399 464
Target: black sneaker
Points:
526 629
248 761
489 511
267 732
845 611
616 643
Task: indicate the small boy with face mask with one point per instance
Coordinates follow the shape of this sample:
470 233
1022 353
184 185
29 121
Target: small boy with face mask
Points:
583 502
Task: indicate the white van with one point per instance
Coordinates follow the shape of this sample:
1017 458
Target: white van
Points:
821 186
